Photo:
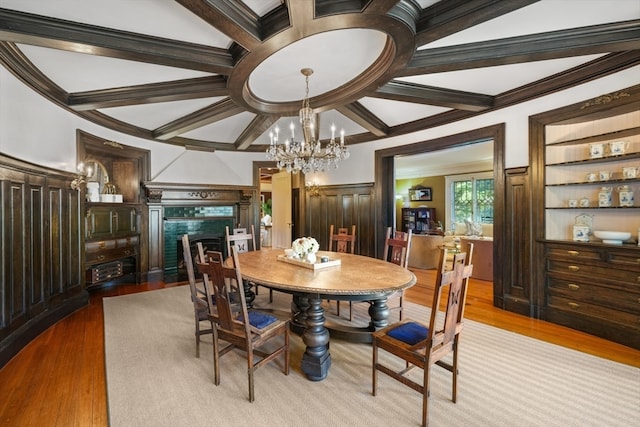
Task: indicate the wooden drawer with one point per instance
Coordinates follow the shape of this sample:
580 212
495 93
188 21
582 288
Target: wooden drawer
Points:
110 254
102 245
627 260
103 272
574 307
99 246
611 297
592 271
582 253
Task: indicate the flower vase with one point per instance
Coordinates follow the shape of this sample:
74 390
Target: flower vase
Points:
311 258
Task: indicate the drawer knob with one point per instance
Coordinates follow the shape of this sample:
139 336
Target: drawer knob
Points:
573 287
127 252
573 253
573 305
101 257
574 268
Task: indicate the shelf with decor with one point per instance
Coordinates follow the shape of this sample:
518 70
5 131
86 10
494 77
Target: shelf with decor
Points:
418 220
593 166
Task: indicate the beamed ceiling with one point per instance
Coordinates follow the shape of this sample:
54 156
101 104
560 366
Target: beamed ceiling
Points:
219 74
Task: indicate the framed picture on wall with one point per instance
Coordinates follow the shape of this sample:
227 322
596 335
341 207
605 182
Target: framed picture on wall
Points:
420 194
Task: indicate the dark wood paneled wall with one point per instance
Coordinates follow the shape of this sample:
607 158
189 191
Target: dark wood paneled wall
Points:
342 206
41 273
515 293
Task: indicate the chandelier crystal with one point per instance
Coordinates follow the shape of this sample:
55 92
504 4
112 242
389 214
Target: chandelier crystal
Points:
306 155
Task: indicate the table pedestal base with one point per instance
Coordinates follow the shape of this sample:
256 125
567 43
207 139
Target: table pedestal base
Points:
309 320
316 369
316 359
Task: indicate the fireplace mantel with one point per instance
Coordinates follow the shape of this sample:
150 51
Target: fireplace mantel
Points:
205 205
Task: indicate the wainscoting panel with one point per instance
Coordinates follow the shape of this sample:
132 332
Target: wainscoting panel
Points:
40 247
517 287
343 206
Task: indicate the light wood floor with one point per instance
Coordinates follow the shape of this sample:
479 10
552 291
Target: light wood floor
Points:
59 379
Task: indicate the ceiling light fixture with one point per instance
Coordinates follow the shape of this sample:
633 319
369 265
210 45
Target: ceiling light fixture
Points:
306 155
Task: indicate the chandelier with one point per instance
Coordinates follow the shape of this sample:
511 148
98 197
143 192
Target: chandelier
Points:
306 155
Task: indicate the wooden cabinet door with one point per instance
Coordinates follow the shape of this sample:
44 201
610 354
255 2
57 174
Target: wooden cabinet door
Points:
99 224
124 220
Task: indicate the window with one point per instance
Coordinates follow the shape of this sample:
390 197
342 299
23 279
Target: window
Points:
471 197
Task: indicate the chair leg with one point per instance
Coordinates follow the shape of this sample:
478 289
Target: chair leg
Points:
374 373
454 380
251 390
197 336
425 397
216 357
401 305
286 352
250 369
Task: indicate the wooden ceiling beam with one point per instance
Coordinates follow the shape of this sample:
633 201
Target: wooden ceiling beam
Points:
448 17
412 92
379 7
365 118
205 116
258 126
178 90
234 19
27 28
614 37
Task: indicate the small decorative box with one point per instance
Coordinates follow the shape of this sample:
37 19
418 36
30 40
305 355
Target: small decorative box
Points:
581 233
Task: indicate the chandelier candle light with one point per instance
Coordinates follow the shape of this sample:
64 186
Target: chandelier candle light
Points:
306 155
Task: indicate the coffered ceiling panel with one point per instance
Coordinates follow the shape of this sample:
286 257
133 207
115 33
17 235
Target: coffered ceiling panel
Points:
223 74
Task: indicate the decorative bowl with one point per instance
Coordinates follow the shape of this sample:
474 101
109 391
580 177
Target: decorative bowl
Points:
612 237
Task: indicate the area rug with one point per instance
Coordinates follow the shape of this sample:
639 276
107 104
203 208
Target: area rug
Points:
154 378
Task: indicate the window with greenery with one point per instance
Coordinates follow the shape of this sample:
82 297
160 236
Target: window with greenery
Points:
470 197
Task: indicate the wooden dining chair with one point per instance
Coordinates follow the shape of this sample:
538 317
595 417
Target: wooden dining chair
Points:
255 333
245 242
397 246
422 345
343 242
198 293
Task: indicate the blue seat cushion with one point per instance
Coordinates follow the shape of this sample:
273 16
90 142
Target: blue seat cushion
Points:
260 320
410 333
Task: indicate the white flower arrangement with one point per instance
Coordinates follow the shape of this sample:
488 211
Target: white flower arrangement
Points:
305 245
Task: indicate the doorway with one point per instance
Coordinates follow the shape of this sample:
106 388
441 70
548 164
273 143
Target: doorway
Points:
385 183
263 174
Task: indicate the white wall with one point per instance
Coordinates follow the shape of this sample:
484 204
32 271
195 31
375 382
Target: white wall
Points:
36 130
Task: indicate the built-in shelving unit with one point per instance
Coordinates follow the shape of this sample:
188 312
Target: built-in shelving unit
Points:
114 233
589 285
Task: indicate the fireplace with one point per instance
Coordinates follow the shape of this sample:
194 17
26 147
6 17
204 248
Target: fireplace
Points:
210 242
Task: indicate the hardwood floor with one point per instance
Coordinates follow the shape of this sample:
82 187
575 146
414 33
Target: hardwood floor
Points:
59 379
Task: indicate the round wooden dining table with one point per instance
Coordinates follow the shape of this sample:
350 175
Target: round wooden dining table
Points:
345 277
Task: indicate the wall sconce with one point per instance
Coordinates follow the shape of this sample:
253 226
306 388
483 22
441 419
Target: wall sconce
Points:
312 188
81 178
